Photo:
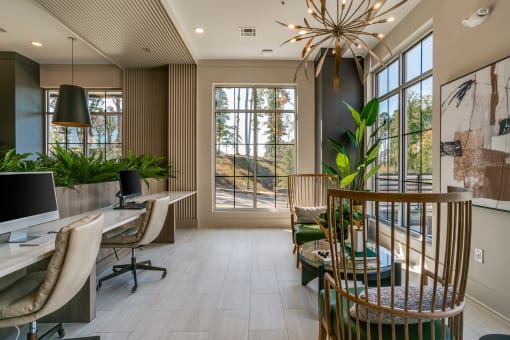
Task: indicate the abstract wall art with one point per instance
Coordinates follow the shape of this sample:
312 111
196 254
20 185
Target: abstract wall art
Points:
475 135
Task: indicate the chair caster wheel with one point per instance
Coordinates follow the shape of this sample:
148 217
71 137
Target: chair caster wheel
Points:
99 284
133 289
164 275
61 333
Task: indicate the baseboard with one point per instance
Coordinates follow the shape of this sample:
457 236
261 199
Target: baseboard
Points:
489 309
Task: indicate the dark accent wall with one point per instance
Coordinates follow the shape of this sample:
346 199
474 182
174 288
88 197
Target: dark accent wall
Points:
21 119
331 115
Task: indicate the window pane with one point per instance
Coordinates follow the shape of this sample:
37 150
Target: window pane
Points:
114 101
412 62
285 128
266 99
75 135
224 164
224 192
382 82
281 192
113 151
78 148
97 101
244 192
285 160
97 130
393 76
266 160
51 100
383 118
245 128
266 133
225 128
265 192
285 99
56 133
426 103
389 157
427 54
413 108
393 116
413 159
244 160
97 149
426 155
234 98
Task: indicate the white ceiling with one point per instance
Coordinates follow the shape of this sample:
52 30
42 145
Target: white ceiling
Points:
222 18
26 21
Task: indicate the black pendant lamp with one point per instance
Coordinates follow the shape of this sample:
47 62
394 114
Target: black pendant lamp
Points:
71 108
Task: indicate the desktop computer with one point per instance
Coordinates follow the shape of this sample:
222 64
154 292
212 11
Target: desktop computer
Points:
130 186
27 199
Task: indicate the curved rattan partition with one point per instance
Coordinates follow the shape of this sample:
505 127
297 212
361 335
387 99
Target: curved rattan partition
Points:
429 302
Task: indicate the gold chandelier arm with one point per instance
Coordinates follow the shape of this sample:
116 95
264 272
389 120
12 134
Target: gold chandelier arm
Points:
392 8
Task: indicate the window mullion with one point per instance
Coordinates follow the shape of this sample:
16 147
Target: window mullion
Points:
255 147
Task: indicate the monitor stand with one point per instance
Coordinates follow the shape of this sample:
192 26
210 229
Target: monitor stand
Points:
20 236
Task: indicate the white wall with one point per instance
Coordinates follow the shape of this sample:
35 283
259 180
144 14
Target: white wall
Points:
247 72
459 50
88 76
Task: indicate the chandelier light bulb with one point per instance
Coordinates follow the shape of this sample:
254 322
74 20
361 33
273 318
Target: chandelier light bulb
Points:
391 19
302 32
291 26
377 5
309 10
293 40
380 35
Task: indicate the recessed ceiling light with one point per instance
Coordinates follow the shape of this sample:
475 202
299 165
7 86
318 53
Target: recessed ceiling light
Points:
199 30
35 43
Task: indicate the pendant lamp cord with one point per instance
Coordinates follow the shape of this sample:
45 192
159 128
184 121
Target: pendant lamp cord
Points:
72 61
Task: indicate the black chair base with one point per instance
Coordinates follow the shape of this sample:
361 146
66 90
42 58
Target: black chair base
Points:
57 329
132 267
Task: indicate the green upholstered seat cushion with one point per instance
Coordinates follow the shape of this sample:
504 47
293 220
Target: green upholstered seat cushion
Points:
307 232
386 329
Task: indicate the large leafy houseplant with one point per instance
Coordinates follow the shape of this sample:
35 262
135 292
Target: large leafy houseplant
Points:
354 172
72 168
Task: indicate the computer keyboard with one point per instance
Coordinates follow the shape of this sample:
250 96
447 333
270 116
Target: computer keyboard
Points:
133 205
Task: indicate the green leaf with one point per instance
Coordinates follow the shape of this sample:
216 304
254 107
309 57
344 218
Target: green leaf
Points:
352 137
372 171
355 114
343 164
338 147
348 179
374 150
328 170
360 131
376 131
370 111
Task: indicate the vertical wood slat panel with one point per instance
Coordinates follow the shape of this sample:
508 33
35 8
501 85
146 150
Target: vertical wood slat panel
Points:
182 134
145 117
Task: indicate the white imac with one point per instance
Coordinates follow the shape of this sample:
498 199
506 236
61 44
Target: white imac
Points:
26 199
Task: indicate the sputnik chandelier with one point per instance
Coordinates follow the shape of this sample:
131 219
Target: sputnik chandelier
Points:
343 31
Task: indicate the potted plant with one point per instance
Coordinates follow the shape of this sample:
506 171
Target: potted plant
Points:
354 172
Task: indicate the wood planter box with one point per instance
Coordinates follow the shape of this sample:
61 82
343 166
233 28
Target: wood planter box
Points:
87 197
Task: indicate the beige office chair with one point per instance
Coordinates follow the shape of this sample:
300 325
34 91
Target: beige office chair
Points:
38 294
151 224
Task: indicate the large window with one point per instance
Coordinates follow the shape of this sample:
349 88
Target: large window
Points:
105 134
404 88
254 146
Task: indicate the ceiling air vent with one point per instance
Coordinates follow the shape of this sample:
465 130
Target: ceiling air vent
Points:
2 30
247 31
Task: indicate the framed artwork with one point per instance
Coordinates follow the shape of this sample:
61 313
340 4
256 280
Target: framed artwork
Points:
475 135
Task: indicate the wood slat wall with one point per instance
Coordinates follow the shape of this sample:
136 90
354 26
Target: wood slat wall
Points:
182 89
145 116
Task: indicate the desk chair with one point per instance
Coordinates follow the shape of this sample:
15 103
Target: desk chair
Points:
150 226
38 294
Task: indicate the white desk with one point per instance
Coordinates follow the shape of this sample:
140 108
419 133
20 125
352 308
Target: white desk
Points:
14 257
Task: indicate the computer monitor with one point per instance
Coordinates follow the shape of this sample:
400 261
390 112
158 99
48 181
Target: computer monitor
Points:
130 186
26 199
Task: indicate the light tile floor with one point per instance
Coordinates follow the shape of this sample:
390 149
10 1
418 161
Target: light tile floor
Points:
222 284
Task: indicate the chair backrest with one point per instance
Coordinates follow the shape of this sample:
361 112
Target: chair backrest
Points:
73 261
433 271
309 190
154 220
